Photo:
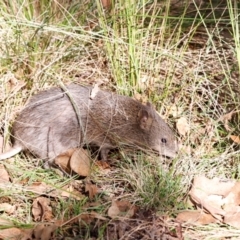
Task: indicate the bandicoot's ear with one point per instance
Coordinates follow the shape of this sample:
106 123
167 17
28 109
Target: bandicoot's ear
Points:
144 117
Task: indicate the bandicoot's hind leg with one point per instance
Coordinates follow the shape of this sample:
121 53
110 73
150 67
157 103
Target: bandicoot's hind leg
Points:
13 151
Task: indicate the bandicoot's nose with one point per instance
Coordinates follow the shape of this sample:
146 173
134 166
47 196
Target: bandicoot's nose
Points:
171 153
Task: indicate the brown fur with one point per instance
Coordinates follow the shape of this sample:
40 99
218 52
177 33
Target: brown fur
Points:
50 125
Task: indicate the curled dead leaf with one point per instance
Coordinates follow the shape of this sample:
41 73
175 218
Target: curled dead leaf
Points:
63 160
80 162
41 209
226 118
74 160
209 193
17 86
13 84
114 211
121 209
91 189
221 198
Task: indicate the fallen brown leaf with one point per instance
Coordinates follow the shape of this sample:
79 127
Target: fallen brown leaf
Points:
5 222
102 164
140 97
66 191
233 218
121 209
220 198
196 217
90 217
41 210
44 231
174 110
12 80
106 3
15 87
8 208
213 186
4 177
40 231
63 160
40 188
203 191
69 191
114 211
86 218
91 189
235 139
232 200
16 234
231 206
80 162
183 126
226 118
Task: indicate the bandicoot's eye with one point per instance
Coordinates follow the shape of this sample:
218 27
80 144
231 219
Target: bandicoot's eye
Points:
164 140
